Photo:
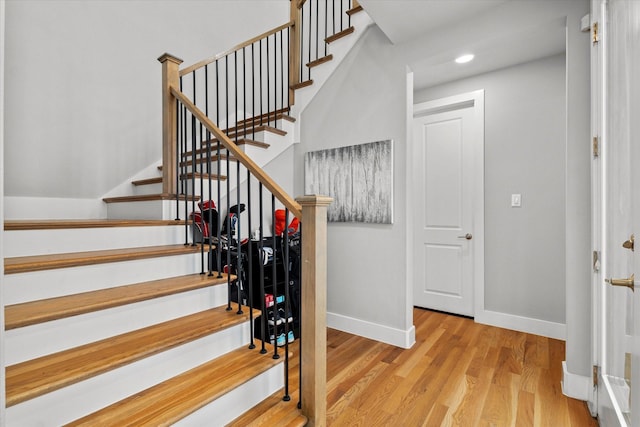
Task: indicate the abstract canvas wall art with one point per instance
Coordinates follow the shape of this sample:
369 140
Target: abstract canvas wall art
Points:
358 177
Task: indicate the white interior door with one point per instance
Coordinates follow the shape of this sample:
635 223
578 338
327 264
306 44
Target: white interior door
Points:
446 164
619 345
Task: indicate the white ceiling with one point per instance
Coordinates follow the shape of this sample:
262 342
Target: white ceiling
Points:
441 30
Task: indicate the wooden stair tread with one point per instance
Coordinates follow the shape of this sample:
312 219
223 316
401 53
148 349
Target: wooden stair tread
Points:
36 377
172 400
34 312
302 84
238 131
52 224
214 146
74 259
200 160
279 114
273 411
149 198
187 176
320 61
354 10
339 35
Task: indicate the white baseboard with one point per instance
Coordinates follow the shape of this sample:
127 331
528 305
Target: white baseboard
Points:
575 386
523 324
53 208
374 331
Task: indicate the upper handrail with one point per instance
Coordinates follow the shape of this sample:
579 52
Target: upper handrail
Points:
293 206
214 58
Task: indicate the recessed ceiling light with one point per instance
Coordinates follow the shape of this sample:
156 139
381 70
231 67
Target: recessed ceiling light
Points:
463 59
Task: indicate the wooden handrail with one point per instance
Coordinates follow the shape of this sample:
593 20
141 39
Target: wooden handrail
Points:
293 206
214 58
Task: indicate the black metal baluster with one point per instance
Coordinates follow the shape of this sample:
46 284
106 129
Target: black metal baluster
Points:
333 16
228 217
244 92
287 305
239 238
300 322
260 65
218 184
281 72
326 21
235 92
180 160
185 162
193 183
301 43
253 92
268 85
309 52
275 77
274 276
249 272
193 158
209 173
288 65
317 27
261 258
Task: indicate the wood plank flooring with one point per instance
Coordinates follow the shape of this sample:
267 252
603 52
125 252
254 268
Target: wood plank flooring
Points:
458 373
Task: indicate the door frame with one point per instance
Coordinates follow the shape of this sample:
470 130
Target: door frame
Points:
476 100
599 181
598 95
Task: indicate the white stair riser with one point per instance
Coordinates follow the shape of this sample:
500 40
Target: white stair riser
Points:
156 209
36 285
235 403
38 340
72 402
40 242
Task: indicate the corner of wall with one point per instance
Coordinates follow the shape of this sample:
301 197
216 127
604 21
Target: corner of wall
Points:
575 386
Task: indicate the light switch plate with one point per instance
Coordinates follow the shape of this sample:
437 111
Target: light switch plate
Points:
516 200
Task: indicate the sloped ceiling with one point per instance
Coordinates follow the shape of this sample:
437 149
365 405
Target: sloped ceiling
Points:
449 28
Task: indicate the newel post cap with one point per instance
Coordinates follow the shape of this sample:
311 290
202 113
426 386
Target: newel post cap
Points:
168 57
314 200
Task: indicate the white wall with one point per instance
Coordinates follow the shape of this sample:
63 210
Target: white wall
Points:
364 101
83 82
524 154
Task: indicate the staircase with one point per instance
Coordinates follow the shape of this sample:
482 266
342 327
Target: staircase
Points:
123 321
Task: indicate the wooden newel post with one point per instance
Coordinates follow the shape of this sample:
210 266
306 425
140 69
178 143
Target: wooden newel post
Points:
294 50
314 305
170 78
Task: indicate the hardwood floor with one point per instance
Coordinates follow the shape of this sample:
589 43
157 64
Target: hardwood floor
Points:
458 373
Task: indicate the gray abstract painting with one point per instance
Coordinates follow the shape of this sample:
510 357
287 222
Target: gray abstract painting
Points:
358 177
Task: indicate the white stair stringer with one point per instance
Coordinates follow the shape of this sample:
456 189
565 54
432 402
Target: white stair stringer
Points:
320 74
74 401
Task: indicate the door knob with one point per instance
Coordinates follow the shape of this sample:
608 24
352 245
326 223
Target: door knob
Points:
467 236
629 243
628 283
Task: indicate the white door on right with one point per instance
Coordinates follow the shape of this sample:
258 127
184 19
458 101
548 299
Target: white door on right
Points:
446 164
619 343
